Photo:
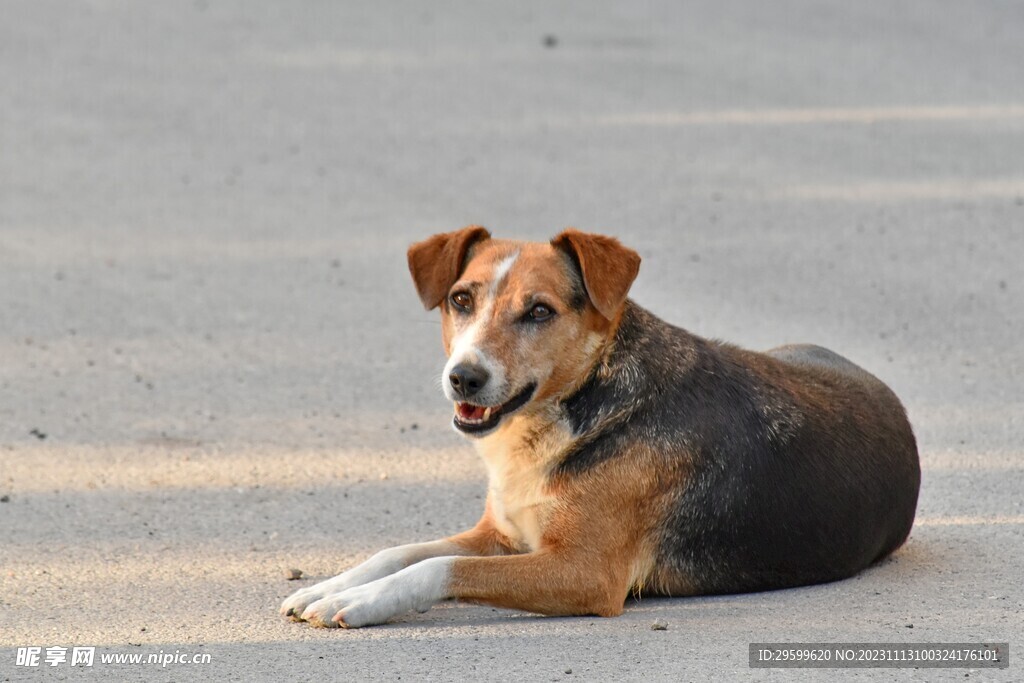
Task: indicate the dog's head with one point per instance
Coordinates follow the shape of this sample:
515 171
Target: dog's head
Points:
522 322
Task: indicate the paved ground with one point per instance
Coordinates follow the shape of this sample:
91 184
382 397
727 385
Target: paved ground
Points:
204 306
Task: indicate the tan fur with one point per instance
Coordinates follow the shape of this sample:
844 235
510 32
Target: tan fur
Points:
595 548
608 268
435 263
519 460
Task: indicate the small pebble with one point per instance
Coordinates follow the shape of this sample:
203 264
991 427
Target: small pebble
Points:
550 41
910 626
293 574
659 625
568 671
5 498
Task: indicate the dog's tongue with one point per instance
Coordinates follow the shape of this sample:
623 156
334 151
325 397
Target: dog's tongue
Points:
470 412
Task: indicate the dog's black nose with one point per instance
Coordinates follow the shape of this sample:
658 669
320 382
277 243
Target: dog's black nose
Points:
468 380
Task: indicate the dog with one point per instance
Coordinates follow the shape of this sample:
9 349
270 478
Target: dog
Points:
626 455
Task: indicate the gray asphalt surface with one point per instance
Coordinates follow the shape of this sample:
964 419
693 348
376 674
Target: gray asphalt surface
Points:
213 365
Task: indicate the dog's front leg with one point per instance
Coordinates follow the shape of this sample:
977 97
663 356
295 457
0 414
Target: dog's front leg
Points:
381 564
481 540
563 582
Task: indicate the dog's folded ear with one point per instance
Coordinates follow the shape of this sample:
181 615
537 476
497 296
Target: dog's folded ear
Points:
608 268
437 262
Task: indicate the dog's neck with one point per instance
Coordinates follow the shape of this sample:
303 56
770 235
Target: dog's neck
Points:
520 457
535 436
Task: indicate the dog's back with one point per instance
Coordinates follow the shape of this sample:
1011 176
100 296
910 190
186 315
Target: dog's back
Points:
800 466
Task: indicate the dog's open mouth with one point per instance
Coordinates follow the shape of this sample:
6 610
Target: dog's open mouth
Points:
474 419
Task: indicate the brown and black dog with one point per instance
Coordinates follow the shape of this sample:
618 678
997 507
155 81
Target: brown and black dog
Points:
627 455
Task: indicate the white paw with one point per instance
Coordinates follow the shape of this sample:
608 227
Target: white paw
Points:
417 587
296 603
381 564
359 606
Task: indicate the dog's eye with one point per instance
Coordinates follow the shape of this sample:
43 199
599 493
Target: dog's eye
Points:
540 312
462 301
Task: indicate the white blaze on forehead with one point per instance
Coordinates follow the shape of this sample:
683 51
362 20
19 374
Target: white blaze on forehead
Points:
500 272
465 349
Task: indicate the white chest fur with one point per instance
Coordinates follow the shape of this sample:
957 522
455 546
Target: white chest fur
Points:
517 481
